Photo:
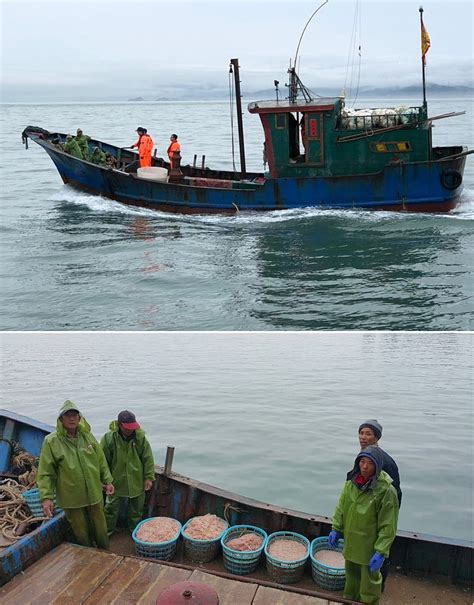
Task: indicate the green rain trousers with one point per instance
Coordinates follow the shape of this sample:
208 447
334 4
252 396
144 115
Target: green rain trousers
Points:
89 525
134 511
361 585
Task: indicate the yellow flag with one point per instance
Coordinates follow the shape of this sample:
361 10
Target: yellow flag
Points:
425 40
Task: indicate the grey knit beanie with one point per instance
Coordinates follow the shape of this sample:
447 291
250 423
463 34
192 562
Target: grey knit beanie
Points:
374 425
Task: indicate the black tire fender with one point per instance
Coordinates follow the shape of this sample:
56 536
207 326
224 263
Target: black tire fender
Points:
451 179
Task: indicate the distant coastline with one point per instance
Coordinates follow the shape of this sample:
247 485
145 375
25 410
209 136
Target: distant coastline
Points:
206 95
433 90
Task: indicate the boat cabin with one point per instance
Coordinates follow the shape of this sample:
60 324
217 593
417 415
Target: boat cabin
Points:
320 137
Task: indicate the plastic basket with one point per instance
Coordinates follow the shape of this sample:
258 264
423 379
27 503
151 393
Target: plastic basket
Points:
330 578
286 572
164 551
238 562
33 500
201 551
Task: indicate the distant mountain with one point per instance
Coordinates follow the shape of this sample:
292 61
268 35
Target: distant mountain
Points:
136 100
221 94
433 90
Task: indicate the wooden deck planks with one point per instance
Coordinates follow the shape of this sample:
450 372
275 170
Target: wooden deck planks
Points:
74 575
67 574
134 581
271 596
231 592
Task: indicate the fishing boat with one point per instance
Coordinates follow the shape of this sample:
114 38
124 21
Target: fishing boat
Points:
320 154
428 560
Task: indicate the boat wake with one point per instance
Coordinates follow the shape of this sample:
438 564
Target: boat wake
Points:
99 204
96 203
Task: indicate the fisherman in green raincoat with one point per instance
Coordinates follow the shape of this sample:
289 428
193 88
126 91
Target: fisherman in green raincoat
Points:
366 517
83 142
71 146
130 459
98 157
73 468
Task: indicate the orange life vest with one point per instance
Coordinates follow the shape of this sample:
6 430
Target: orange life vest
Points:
175 146
145 148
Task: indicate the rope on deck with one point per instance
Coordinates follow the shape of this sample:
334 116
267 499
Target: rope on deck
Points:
15 516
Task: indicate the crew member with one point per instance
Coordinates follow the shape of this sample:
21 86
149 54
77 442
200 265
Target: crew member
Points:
370 432
72 467
130 459
366 517
71 146
83 142
174 147
98 157
144 146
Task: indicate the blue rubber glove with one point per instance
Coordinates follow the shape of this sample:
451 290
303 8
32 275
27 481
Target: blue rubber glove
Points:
333 538
376 562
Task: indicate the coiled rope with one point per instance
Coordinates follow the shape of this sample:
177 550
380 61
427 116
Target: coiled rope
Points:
15 516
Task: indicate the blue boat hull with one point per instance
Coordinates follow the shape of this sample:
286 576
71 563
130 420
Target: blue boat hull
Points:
416 187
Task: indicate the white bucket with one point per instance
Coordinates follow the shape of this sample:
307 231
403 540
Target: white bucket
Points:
153 173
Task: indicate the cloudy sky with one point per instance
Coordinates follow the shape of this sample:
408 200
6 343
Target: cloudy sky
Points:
117 49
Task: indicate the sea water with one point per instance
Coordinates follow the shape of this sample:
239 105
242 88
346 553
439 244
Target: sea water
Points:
273 416
73 261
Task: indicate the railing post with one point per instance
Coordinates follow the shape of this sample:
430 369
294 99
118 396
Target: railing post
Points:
168 460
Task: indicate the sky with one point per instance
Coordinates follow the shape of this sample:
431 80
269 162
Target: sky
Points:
66 50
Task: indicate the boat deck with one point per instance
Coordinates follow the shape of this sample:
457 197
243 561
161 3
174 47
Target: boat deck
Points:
74 574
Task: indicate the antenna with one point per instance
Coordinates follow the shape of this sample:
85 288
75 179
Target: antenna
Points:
295 82
304 29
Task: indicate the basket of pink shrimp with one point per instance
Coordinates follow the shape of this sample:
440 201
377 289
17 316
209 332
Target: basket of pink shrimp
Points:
202 537
157 537
242 546
286 553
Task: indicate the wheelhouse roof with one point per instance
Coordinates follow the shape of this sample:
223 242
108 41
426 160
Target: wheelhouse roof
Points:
284 106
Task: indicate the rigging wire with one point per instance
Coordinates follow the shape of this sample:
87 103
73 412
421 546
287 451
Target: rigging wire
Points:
354 55
231 108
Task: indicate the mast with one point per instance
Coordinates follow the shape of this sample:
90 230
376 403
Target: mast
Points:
238 100
425 44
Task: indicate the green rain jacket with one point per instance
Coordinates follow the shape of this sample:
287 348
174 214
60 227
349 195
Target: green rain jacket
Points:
72 469
367 519
98 157
83 145
131 461
72 147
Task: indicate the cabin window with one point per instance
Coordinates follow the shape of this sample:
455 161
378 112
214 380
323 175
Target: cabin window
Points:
280 120
402 146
